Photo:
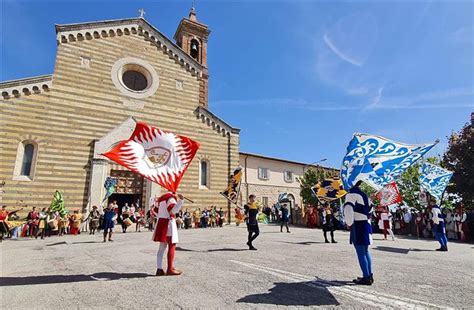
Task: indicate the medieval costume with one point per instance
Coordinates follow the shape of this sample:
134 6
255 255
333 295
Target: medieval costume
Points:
328 220
385 223
140 219
284 218
220 217
126 221
75 221
166 231
42 224
439 228
197 217
357 215
109 221
238 216
251 211
187 219
32 220
94 217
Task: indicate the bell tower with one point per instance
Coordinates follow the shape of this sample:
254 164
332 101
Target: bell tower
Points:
191 36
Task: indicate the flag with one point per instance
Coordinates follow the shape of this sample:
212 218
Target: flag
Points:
377 160
109 184
160 156
58 204
328 190
389 195
434 179
232 191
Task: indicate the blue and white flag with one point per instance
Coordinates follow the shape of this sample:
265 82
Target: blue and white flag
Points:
377 160
434 179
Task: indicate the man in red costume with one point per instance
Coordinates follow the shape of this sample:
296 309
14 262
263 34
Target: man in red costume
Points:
166 231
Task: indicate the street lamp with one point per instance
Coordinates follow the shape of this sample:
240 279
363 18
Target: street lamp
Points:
316 162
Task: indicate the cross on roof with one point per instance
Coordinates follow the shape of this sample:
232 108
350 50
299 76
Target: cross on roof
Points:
142 12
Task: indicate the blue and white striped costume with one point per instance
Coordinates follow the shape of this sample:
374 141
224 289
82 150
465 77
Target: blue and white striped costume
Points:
439 227
357 215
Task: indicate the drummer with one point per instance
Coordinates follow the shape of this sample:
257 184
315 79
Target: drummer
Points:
4 225
93 217
125 218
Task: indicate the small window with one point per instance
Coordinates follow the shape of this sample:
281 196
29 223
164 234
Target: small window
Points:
263 173
288 175
25 162
135 80
27 159
265 201
204 174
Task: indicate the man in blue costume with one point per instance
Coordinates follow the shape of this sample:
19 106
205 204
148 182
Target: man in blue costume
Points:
439 226
357 216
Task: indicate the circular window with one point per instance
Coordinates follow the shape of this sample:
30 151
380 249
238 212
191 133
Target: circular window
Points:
134 77
134 80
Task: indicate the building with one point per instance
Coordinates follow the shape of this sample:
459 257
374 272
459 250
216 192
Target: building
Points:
267 177
108 75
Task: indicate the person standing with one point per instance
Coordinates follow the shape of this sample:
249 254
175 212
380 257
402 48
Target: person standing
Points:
32 220
5 227
284 218
43 220
221 217
386 223
439 227
187 219
166 231
251 212
328 221
197 217
109 221
357 215
126 221
139 219
93 217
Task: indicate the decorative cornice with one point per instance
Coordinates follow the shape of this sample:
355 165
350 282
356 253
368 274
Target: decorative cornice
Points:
135 26
217 124
28 86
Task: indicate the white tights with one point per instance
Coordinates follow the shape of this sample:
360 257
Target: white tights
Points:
160 254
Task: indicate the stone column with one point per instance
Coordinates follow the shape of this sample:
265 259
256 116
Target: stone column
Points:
152 190
98 175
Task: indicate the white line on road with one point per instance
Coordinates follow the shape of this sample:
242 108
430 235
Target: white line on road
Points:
369 297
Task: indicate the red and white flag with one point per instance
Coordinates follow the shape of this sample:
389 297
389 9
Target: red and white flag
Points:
389 195
160 156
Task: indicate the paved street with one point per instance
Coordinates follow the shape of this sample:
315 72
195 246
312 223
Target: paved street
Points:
296 269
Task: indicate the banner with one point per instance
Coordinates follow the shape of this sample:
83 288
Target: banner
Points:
389 195
109 185
328 190
58 204
233 190
434 179
377 160
160 156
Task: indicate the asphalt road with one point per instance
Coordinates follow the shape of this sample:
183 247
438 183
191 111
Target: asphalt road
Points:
296 269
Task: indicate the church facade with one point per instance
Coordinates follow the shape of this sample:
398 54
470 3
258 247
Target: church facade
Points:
109 75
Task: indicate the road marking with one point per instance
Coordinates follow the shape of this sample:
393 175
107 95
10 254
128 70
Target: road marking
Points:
366 296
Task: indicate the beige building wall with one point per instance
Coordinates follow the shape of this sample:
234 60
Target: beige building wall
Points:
275 184
82 105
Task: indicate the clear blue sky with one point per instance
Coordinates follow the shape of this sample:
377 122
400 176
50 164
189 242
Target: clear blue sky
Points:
299 78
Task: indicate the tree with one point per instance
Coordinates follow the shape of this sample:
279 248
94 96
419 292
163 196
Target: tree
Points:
309 179
459 158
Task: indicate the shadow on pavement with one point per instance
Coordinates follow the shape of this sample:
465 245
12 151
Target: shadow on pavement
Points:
226 250
57 243
51 279
293 294
399 250
304 242
80 242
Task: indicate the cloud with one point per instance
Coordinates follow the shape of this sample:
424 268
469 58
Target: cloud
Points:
339 53
462 35
439 99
